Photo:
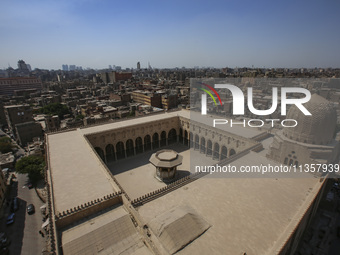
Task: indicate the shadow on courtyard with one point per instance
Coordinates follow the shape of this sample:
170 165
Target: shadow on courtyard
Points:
123 165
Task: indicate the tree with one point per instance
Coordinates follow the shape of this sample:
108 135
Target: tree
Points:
79 117
33 166
5 144
55 109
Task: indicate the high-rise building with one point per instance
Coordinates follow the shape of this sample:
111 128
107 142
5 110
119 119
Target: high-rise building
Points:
72 68
138 65
65 67
22 65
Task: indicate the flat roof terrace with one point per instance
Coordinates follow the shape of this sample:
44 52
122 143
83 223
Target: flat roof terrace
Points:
253 216
78 176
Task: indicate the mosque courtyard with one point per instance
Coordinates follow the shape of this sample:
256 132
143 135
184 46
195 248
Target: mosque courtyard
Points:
137 175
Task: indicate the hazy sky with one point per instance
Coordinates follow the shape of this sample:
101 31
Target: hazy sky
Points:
98 33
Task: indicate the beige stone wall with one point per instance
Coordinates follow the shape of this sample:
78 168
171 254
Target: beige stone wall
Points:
74 215
114 136
216 143
292 244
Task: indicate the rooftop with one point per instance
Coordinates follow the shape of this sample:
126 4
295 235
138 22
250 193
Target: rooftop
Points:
166 158
16 106
232 215
252 215
111 232
73 161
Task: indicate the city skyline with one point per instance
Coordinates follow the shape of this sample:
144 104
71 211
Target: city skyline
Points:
97 34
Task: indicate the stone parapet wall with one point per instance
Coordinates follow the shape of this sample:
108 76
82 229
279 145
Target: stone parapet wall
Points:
77 213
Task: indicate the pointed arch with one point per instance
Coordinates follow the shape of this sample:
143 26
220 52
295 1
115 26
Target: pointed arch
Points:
172 136
216 154
110 152
129 148
147 143
139 145
186 138
181 136
197 142
202 149
120 150
163 138
224 152
209 148
155 140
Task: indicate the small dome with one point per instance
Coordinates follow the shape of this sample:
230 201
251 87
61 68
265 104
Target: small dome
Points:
317 128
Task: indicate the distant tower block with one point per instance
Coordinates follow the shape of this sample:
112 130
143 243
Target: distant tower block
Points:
138 65
166 162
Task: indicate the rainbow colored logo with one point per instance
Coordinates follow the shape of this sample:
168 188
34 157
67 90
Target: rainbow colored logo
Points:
209 93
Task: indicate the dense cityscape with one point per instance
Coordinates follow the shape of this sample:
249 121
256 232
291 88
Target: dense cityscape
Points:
38 105
83 97
170 127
